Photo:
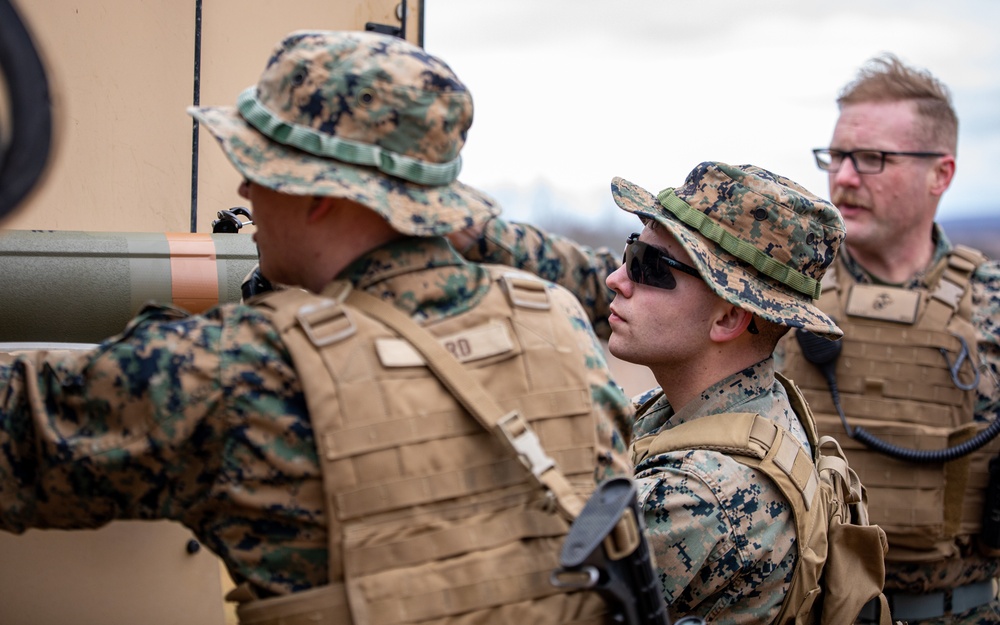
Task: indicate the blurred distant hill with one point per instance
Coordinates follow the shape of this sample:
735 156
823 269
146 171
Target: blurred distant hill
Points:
980 232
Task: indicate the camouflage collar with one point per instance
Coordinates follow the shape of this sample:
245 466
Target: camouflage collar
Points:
942 246
742 391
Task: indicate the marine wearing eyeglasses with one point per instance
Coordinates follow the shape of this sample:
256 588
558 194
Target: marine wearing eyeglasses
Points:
890 160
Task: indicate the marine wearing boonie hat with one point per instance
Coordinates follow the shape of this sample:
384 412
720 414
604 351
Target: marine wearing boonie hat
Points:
761 241
362 116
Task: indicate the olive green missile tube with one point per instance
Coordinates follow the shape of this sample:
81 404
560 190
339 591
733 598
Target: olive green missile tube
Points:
83 287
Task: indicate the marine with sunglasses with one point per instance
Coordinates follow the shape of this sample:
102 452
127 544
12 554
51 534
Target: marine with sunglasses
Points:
921 318
726 263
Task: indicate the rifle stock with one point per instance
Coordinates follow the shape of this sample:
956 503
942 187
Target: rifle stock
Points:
606 550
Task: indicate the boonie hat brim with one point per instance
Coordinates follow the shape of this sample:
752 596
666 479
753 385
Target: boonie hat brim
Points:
412 209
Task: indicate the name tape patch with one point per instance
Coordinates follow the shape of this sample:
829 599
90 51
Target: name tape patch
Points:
476 343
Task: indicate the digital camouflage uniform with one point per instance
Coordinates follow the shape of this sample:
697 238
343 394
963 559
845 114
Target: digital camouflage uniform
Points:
583 270
202 419
722 533
970 565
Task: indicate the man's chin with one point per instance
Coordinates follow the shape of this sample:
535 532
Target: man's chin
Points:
615 346
856 220
619 349
862 236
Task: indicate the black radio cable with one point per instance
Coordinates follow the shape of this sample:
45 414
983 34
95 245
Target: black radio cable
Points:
823 353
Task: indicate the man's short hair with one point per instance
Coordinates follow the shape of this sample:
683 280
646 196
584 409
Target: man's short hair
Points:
885 78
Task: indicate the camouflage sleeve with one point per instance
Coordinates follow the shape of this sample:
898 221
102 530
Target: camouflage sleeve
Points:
580 269
144 426
721 533
612 409
986 319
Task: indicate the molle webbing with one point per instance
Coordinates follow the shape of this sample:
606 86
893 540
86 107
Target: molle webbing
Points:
511 428
326 604
433 518
894 380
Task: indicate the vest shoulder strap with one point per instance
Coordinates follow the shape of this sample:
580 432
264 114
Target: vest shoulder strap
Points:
970 255
949 286
752 440
840 556
801 408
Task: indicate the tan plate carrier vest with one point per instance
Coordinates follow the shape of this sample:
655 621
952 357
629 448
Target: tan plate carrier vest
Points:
841 564
894 381
432 518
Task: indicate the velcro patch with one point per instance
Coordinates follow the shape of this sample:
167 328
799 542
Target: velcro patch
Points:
476 343
885 303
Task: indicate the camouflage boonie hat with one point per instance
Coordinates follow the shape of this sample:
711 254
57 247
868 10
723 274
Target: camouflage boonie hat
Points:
760 241
361 116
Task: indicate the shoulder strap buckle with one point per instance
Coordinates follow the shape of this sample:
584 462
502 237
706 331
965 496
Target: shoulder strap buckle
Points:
525 442
526 292
325 322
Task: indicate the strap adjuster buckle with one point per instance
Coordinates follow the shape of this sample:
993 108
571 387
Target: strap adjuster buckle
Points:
525 442
325 322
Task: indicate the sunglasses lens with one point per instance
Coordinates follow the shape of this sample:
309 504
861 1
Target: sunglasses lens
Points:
643 266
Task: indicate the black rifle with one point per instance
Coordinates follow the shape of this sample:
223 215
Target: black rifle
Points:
606 550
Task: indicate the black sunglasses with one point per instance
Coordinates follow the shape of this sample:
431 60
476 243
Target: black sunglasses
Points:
644 264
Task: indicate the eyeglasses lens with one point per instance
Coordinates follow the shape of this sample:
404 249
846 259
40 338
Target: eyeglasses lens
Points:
643 266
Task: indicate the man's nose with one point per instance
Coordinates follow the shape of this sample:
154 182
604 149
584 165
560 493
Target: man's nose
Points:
619 282
847 175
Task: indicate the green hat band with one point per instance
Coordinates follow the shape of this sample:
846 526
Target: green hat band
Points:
737 247
322 144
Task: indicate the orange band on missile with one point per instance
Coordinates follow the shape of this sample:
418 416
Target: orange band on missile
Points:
194 276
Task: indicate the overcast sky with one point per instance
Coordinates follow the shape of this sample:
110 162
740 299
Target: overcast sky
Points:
570 93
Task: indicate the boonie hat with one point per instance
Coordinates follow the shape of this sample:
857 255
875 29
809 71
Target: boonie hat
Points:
761 241
362 116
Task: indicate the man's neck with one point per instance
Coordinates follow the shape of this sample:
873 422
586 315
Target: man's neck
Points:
679 394
894 264
344 235
682 385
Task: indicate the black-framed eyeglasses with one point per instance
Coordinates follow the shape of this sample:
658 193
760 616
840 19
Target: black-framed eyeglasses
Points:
864 161
644 264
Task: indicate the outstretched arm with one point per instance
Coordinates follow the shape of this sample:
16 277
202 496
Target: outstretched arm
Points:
579 268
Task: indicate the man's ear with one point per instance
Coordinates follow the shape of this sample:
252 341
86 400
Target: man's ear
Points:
941 175
730 324
319 209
